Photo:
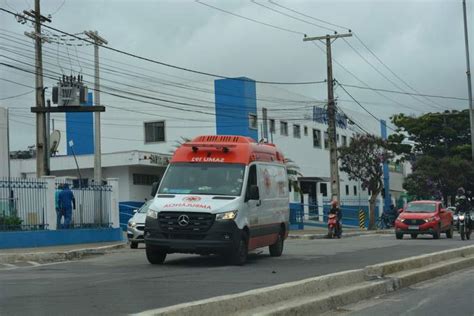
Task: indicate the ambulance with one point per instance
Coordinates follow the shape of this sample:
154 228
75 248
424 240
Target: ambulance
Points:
225 195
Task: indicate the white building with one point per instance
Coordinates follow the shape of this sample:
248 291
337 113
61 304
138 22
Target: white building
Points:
136 150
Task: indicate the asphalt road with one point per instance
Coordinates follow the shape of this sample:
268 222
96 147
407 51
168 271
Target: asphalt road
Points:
123 282
448 295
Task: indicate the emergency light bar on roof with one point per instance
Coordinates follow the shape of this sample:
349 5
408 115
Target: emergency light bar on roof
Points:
226 149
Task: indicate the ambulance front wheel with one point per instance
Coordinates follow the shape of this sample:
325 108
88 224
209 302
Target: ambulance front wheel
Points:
155 255
238 255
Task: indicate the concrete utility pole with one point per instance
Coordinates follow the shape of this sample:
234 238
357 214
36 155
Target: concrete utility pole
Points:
334 165
468 74
94 35
42 158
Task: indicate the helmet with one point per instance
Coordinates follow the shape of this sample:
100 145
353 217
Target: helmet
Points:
461 191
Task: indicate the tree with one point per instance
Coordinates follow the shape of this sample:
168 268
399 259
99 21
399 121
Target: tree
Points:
293 171
362 160
440 154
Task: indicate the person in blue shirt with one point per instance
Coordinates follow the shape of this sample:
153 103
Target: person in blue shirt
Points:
67 203
59 211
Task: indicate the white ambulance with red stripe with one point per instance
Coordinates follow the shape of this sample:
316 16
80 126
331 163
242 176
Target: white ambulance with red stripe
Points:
223 195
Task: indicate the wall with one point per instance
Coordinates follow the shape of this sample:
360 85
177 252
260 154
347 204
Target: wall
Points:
46 238
80 129
235 100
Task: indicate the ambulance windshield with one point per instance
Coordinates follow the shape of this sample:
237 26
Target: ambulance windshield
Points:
203 178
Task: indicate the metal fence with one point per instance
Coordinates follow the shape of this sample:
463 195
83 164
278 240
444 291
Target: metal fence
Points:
93 204
22 204
302 215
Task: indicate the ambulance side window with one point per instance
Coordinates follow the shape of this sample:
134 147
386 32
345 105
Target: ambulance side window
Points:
252 180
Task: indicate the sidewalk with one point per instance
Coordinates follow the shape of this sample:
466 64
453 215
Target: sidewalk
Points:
57 253
321 232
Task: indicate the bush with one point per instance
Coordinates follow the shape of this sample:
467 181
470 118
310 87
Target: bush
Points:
10 222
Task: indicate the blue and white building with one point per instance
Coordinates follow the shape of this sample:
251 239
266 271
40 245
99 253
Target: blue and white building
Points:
136 146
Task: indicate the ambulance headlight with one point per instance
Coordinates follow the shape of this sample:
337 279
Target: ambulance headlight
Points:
152 213
226 215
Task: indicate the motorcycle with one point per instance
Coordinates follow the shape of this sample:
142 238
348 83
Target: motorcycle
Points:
464 225
333 227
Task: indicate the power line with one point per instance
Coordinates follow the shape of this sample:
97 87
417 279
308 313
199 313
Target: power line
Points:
167 64
163 93
147 79
59 8
389 69
347 42
308 16
363 107
290 16
381 73
405 93
17 95
250 19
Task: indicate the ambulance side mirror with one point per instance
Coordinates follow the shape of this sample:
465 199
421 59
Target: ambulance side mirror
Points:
154 188
254 193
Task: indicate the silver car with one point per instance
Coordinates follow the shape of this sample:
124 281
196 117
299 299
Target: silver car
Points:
136 225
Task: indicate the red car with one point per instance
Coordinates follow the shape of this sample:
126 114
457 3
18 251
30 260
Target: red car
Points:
424 217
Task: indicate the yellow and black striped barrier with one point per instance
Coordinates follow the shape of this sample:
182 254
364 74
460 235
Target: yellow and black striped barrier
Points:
361 219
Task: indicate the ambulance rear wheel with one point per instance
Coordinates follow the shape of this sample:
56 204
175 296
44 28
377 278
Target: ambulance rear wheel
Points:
277 248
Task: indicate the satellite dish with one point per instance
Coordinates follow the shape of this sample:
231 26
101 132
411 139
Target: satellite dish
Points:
54 141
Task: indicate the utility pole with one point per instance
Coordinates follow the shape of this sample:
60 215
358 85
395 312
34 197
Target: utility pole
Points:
42 158
468 74
331 112
94 35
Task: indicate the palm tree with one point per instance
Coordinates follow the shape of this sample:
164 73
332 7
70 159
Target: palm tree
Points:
293 171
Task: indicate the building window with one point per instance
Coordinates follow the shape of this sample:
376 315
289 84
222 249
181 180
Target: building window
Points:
306 131
323 188
145 179
253 121
284 128
272 126
344 141
296 131
316 138
154 132
355 190
347 189
338 139
326 140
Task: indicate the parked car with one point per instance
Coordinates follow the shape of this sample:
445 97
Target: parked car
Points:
424 217
136 225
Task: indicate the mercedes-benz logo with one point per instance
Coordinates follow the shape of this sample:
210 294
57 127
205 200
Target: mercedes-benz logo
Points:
183 220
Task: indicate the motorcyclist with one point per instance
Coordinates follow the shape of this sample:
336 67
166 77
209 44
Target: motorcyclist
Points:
463 203
337 211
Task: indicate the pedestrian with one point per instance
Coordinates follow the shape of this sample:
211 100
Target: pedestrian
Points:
59 210
67 203
337 211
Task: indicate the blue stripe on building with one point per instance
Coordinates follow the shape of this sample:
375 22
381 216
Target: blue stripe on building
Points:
80 129
235 100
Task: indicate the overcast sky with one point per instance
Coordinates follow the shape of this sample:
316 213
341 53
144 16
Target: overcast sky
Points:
421 41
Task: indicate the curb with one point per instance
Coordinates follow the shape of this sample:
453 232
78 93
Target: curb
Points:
321 294
48 257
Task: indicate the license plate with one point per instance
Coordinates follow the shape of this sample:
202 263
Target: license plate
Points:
413 227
